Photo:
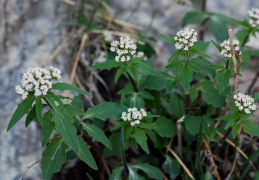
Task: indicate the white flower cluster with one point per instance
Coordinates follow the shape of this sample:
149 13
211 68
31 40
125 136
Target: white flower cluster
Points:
254 17
140 54
124 48
38 80
226 50
245 103
185 39
134 115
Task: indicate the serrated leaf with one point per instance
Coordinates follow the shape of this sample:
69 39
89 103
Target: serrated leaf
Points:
256 96
77 102
152 136
39 109
192 123
174 64
184 75
97 134
118 74
202 46
165 127
57 99
65 127
106 110
232 120
108 64
175 55
223 78
22 109
150 170
47 126
53 158
64 86
168 39
193 93
145 69
85 155
250 128
218 28
194 18
213 97
171 167
216 66
116 173
194 67
136 101
141 139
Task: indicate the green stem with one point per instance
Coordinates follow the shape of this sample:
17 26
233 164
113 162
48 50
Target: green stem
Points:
227 64
200 170
246 38
133 83
122 150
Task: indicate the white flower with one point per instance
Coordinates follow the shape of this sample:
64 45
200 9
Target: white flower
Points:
254 17
226 50
133 115
185 39
245 103
123 48
38 80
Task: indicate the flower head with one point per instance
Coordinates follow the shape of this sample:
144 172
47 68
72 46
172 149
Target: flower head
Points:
245 103
133 115
226 50
185 39
124 48
38 80
254 17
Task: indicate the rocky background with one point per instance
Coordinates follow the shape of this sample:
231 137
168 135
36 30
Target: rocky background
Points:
30 33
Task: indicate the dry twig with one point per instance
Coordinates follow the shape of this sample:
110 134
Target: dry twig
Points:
27 169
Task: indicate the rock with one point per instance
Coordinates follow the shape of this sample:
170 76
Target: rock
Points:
29 32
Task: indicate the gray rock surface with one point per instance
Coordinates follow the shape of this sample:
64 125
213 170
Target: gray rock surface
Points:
29 33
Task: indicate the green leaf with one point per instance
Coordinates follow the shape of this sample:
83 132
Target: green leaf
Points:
141 139
48 126
31 117
184 75
57 99
175 55
152 136
77 102
216 66
68 131
53 158
171 167
202 46
51 102
108 64
145 69
200 53
194 67
106 110
118 74
97 134
213 97
154 83
73 110
146 95
39 109
64 86
116 173
130 71
218 28
200 61
85 155
256 96
165 127
194 18
192 123
115 141
134 176
168 39
174 64
251 128
217 46
194 93
22 109
150 170
235 129
223 78
136 101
